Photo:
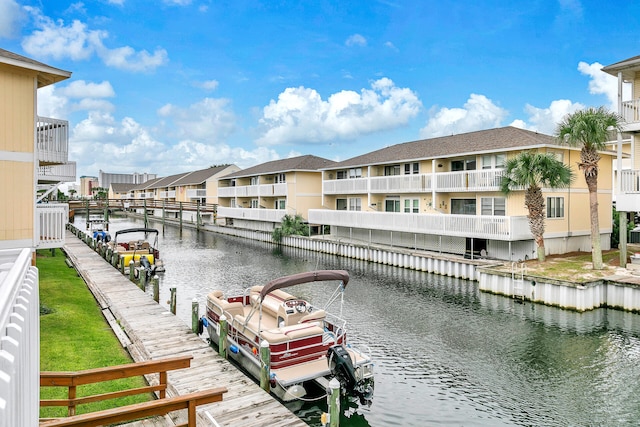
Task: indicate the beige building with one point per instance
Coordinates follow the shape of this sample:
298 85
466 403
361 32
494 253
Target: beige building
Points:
258 197
33 156
442 195
87 185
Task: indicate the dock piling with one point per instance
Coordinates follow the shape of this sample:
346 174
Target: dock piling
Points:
222 343
334 403
265 366
156 288
172 301
195 309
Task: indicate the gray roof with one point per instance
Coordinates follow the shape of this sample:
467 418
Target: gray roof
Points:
628 67
301 163
46 74
122 187
199 177
489 141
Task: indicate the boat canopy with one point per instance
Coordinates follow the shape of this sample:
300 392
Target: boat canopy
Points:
137 230
306 277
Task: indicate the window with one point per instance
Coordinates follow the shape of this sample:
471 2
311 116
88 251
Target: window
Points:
341 204
355 173
392 170
232 203
411 168
555 207
280 178
559 155
493 161
355 204
392 205
464 164
255 180
411 205
254 204
494 206
463 206
281 204
233 183
342 175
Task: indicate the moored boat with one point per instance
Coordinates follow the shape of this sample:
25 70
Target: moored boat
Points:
139 245
308 345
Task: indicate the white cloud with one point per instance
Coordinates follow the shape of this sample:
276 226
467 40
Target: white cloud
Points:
77 42
301 116
356 40
478 113
545 120
207 120
601 83
177 2
83 89
51 104
10 16
208 85
391 46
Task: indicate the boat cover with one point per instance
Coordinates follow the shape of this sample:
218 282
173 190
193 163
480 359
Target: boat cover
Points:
306 277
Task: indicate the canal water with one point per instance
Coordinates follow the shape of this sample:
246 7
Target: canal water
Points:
446 354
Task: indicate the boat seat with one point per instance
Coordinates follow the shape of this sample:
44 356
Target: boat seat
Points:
316 316
293 332
228 308
144 245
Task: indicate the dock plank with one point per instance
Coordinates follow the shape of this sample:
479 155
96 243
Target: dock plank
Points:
154 333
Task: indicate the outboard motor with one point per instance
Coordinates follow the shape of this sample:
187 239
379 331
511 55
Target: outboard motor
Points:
341 367
148 268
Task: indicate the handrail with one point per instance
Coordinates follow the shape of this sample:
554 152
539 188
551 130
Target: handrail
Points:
145 409
110 373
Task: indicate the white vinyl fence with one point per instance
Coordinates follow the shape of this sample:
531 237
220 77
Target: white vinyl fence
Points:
19 339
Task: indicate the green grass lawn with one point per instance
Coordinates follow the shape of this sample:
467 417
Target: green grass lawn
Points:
74 335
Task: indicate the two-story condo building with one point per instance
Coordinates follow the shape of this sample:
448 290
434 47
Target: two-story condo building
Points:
442 195
259 197
33 157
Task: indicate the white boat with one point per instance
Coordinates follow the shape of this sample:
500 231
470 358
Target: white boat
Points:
139 245
308 346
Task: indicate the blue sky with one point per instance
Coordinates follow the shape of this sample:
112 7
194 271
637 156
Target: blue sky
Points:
170 86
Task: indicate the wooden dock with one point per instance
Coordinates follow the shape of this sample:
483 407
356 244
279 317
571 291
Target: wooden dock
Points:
149 331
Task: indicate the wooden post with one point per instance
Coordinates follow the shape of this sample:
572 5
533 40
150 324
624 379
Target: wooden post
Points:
142 279
156 288
106 215
164 204
180 210
195 309
146 215
222 342
172 301
132 274
265 366
622 216
334 403
198 215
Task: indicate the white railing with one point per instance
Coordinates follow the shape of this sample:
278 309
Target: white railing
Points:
198 193
227 191
167 194
345 186
52 220
262 190
148 195
630 111
19 339
53 140
630 181
58 173
478 180
280 189
400 183
488 227
267 215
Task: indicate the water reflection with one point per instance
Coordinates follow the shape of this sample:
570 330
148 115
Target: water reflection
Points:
446 354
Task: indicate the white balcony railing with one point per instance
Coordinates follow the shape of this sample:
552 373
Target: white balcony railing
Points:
167 194
345 186
477 180
52 220
53 140
631 111
19 339
487 227
57 173
197 193
267 215
400 184
262 190
227 191
630 181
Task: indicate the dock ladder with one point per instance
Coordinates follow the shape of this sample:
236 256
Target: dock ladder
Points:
518 270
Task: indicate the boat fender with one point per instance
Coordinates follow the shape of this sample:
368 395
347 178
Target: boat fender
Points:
233 349
272 380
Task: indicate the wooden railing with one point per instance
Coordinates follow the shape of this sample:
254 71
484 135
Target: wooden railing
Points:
71 380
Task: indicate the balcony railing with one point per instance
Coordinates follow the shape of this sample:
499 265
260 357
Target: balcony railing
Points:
262 190
20 337
167 194
477 180
487 227
199 193
53 140
630 181
52 219
631 111
267 215
57 173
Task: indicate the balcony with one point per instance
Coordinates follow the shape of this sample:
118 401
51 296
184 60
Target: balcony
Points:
346 186
628 199
57 173
199 193
400 184
631 111
167 194
507 228
51 219
262 190
265 215
53 141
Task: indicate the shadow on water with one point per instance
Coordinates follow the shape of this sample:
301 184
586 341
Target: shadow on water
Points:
446 354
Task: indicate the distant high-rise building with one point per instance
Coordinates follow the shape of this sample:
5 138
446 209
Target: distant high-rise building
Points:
87 184
105 179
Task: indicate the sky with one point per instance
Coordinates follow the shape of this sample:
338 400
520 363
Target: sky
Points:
171 86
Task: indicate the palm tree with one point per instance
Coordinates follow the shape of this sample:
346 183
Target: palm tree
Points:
588 129
531 171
